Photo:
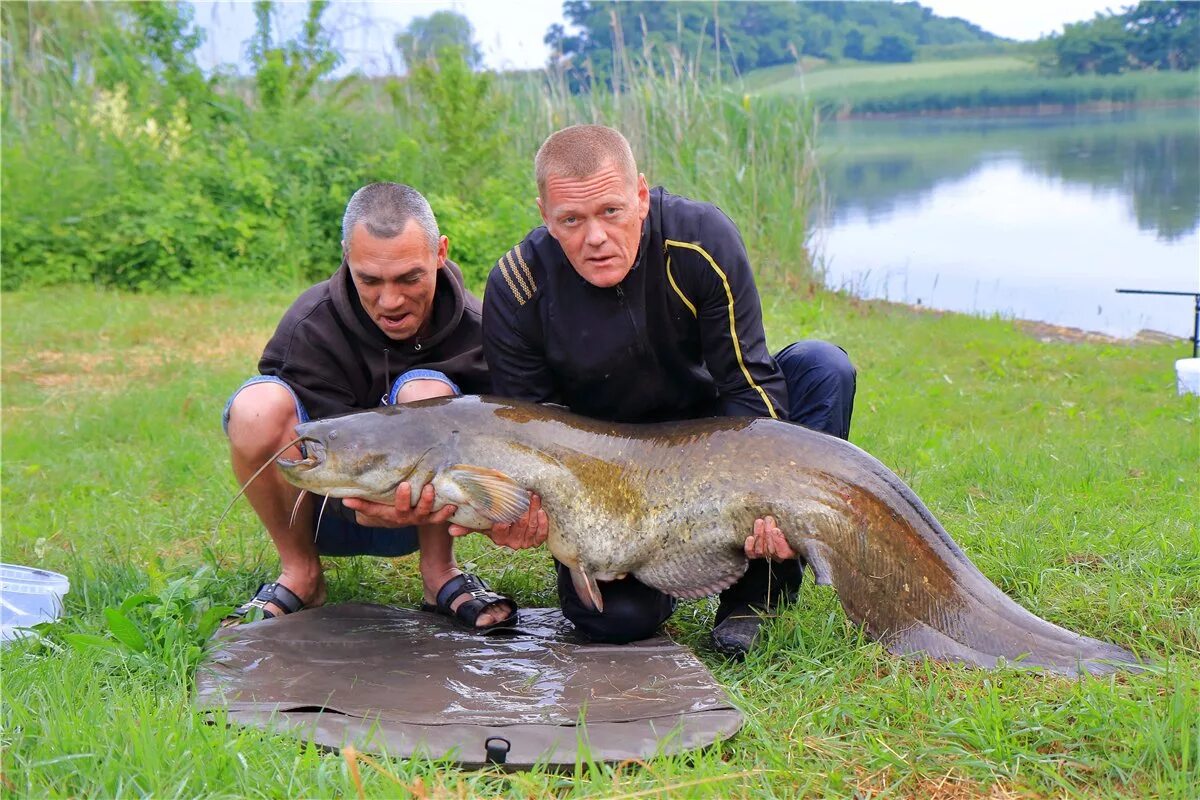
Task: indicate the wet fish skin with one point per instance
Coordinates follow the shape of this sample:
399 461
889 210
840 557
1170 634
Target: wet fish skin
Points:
672 503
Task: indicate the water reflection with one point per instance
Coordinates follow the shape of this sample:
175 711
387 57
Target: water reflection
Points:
1153 158
1031 217
1158 173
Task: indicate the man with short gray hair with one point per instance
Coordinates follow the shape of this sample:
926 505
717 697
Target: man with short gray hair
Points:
393 324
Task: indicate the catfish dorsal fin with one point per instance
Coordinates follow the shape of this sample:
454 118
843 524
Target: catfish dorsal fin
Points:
492 493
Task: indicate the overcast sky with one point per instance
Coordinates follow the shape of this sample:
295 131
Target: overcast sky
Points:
510 31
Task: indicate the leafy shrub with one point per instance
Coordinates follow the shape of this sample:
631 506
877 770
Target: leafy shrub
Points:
169 182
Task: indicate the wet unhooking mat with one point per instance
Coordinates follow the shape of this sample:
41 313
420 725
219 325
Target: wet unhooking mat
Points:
413 683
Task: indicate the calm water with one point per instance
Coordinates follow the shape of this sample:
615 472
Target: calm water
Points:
1033 218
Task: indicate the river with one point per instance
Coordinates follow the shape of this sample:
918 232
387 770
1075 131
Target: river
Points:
1030 217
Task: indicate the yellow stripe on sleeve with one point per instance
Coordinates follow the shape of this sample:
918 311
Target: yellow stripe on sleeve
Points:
737 346
678 291
512 265
508 279
528 271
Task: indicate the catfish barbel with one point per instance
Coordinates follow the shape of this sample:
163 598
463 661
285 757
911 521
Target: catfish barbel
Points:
672 504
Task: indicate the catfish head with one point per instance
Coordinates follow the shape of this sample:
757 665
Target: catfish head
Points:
370 453
367 454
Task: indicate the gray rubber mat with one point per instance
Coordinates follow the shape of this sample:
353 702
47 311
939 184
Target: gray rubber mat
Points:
410 683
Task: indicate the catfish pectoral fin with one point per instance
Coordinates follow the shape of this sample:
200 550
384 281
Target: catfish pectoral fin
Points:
489 492
587 589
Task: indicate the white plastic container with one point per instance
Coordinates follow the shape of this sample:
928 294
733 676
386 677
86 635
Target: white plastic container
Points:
1187 375
29 596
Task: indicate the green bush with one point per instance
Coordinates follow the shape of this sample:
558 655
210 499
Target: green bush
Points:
170 182
128 203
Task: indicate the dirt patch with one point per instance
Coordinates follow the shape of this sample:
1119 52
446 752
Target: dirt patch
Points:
1087 561
1045 332
178 549
113 368
1042 331
951 786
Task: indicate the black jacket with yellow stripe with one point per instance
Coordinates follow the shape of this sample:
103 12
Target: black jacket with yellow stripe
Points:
680 337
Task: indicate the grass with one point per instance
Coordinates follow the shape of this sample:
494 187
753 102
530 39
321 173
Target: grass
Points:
970 84
1067 472
828 75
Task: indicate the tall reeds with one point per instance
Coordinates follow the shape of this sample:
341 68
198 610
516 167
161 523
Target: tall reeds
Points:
248 195
754 158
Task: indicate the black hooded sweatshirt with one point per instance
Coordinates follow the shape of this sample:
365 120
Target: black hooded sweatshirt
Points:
338 360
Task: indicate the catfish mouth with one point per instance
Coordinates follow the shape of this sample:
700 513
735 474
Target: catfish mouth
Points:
313 451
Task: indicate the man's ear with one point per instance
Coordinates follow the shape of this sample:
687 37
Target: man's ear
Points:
643 196
542 210
443 251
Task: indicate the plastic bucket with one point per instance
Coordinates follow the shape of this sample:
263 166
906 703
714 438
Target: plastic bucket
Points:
1187 375
29 596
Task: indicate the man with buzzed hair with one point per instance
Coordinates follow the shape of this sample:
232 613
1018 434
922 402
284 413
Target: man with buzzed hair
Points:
393 324
637 305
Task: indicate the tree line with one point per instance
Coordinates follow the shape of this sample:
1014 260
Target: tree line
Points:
1154 35
726 37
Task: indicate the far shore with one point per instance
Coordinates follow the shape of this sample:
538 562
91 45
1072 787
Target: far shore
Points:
1042 331
1038 110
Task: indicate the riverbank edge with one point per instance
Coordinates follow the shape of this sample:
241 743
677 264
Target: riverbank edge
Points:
1045 332
1038 110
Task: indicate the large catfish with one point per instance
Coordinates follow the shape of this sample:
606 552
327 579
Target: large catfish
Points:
672 504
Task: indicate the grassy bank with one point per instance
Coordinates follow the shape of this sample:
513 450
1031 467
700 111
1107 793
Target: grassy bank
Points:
974 85
1067 472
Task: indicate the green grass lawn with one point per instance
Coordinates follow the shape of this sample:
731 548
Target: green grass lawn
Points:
819 76
1068 473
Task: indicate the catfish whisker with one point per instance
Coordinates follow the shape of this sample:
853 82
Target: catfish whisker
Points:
320 516
296 508
257 472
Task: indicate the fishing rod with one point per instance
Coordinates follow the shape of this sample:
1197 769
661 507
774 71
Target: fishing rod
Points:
1195 326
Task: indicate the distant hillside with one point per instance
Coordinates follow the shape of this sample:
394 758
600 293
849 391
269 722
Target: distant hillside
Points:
966 86
751 35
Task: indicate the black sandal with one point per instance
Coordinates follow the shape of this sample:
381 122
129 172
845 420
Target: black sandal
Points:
468 612
275 593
